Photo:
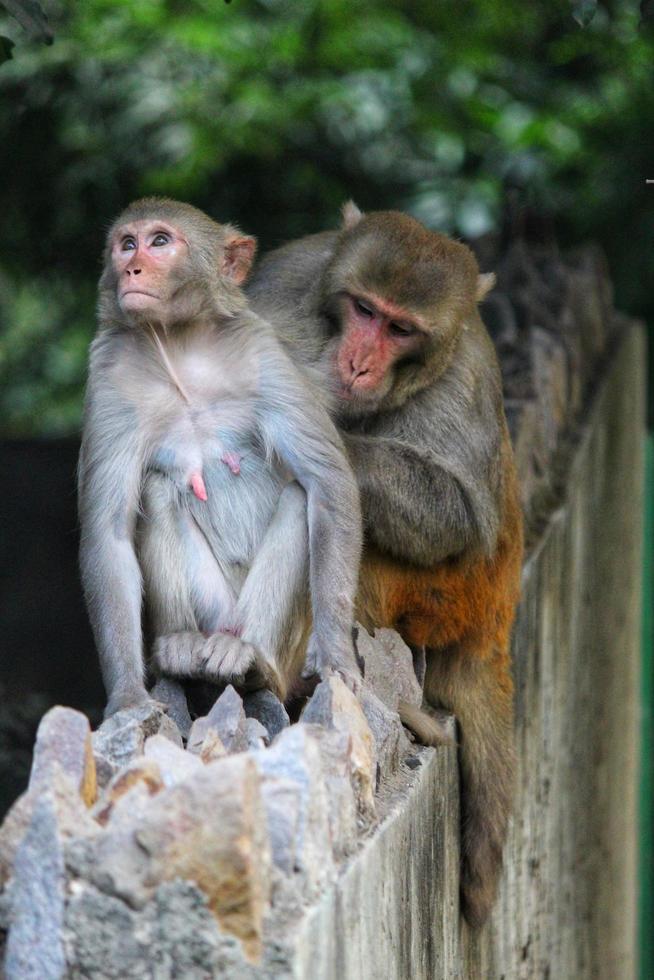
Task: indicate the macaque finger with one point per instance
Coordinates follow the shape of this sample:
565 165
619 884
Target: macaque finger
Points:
179 654
320 663
225 655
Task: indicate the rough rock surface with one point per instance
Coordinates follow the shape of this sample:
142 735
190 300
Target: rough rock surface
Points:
222 844
64 739
267 709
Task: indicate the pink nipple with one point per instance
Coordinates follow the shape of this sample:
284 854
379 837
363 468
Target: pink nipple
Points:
233 460
198 487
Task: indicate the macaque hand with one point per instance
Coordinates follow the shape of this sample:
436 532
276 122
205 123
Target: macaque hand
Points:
179 654
226 655
326 659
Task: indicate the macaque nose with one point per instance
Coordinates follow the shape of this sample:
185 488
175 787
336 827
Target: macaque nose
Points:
357 372
136 272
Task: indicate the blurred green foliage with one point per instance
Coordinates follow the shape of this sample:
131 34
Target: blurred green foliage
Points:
272 112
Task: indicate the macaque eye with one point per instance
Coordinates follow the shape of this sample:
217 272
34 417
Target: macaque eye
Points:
401 329
363 308
161 238
128 243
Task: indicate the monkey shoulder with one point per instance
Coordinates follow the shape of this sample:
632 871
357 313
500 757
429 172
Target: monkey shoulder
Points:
286 290
287 271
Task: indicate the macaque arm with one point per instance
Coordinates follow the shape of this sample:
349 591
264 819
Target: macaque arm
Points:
109 479
412 506
300 432
431 484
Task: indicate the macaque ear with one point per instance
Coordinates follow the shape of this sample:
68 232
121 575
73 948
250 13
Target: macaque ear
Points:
238 256
485 282
351 214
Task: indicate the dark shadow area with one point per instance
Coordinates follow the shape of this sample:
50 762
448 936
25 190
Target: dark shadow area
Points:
48 654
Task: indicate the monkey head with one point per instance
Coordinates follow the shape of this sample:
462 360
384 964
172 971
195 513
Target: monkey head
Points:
166 263
399 296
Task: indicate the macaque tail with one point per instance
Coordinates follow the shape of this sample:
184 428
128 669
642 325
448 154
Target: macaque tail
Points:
426 728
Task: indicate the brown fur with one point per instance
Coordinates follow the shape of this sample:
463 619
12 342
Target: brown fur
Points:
430 448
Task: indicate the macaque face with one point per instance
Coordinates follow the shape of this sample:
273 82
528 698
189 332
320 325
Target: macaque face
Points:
144 255
376 334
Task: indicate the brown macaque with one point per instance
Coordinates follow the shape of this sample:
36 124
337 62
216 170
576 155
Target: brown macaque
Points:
211 477
387 312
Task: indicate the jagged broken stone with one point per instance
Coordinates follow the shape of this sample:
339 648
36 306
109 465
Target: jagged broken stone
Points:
73 817
175 935
170 693
173 762
256 734
295 797
168 729
140 771
35 949
335 707
64 739
389 671
268 709
211 829
391 742
335 754
105 769
122 737
212 747
227 719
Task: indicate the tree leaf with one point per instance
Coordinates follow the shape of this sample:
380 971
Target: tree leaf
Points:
31 16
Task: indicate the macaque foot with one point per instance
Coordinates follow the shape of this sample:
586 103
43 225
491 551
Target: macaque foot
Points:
342 663
125 700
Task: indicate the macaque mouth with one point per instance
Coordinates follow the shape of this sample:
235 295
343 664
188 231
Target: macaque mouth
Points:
138 292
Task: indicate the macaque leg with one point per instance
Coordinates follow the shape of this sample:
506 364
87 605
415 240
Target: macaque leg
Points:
188 593
478 690
269 626
272 610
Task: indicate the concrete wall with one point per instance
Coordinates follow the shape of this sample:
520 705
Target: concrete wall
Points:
567 905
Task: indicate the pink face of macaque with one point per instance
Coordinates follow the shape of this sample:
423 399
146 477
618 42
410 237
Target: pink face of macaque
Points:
144 253
376 334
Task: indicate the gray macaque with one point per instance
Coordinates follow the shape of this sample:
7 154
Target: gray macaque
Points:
211 479
386 312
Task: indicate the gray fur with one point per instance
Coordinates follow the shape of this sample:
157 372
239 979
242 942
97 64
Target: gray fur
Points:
426 442
286 527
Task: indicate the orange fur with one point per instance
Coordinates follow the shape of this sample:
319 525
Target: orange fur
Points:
467 601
